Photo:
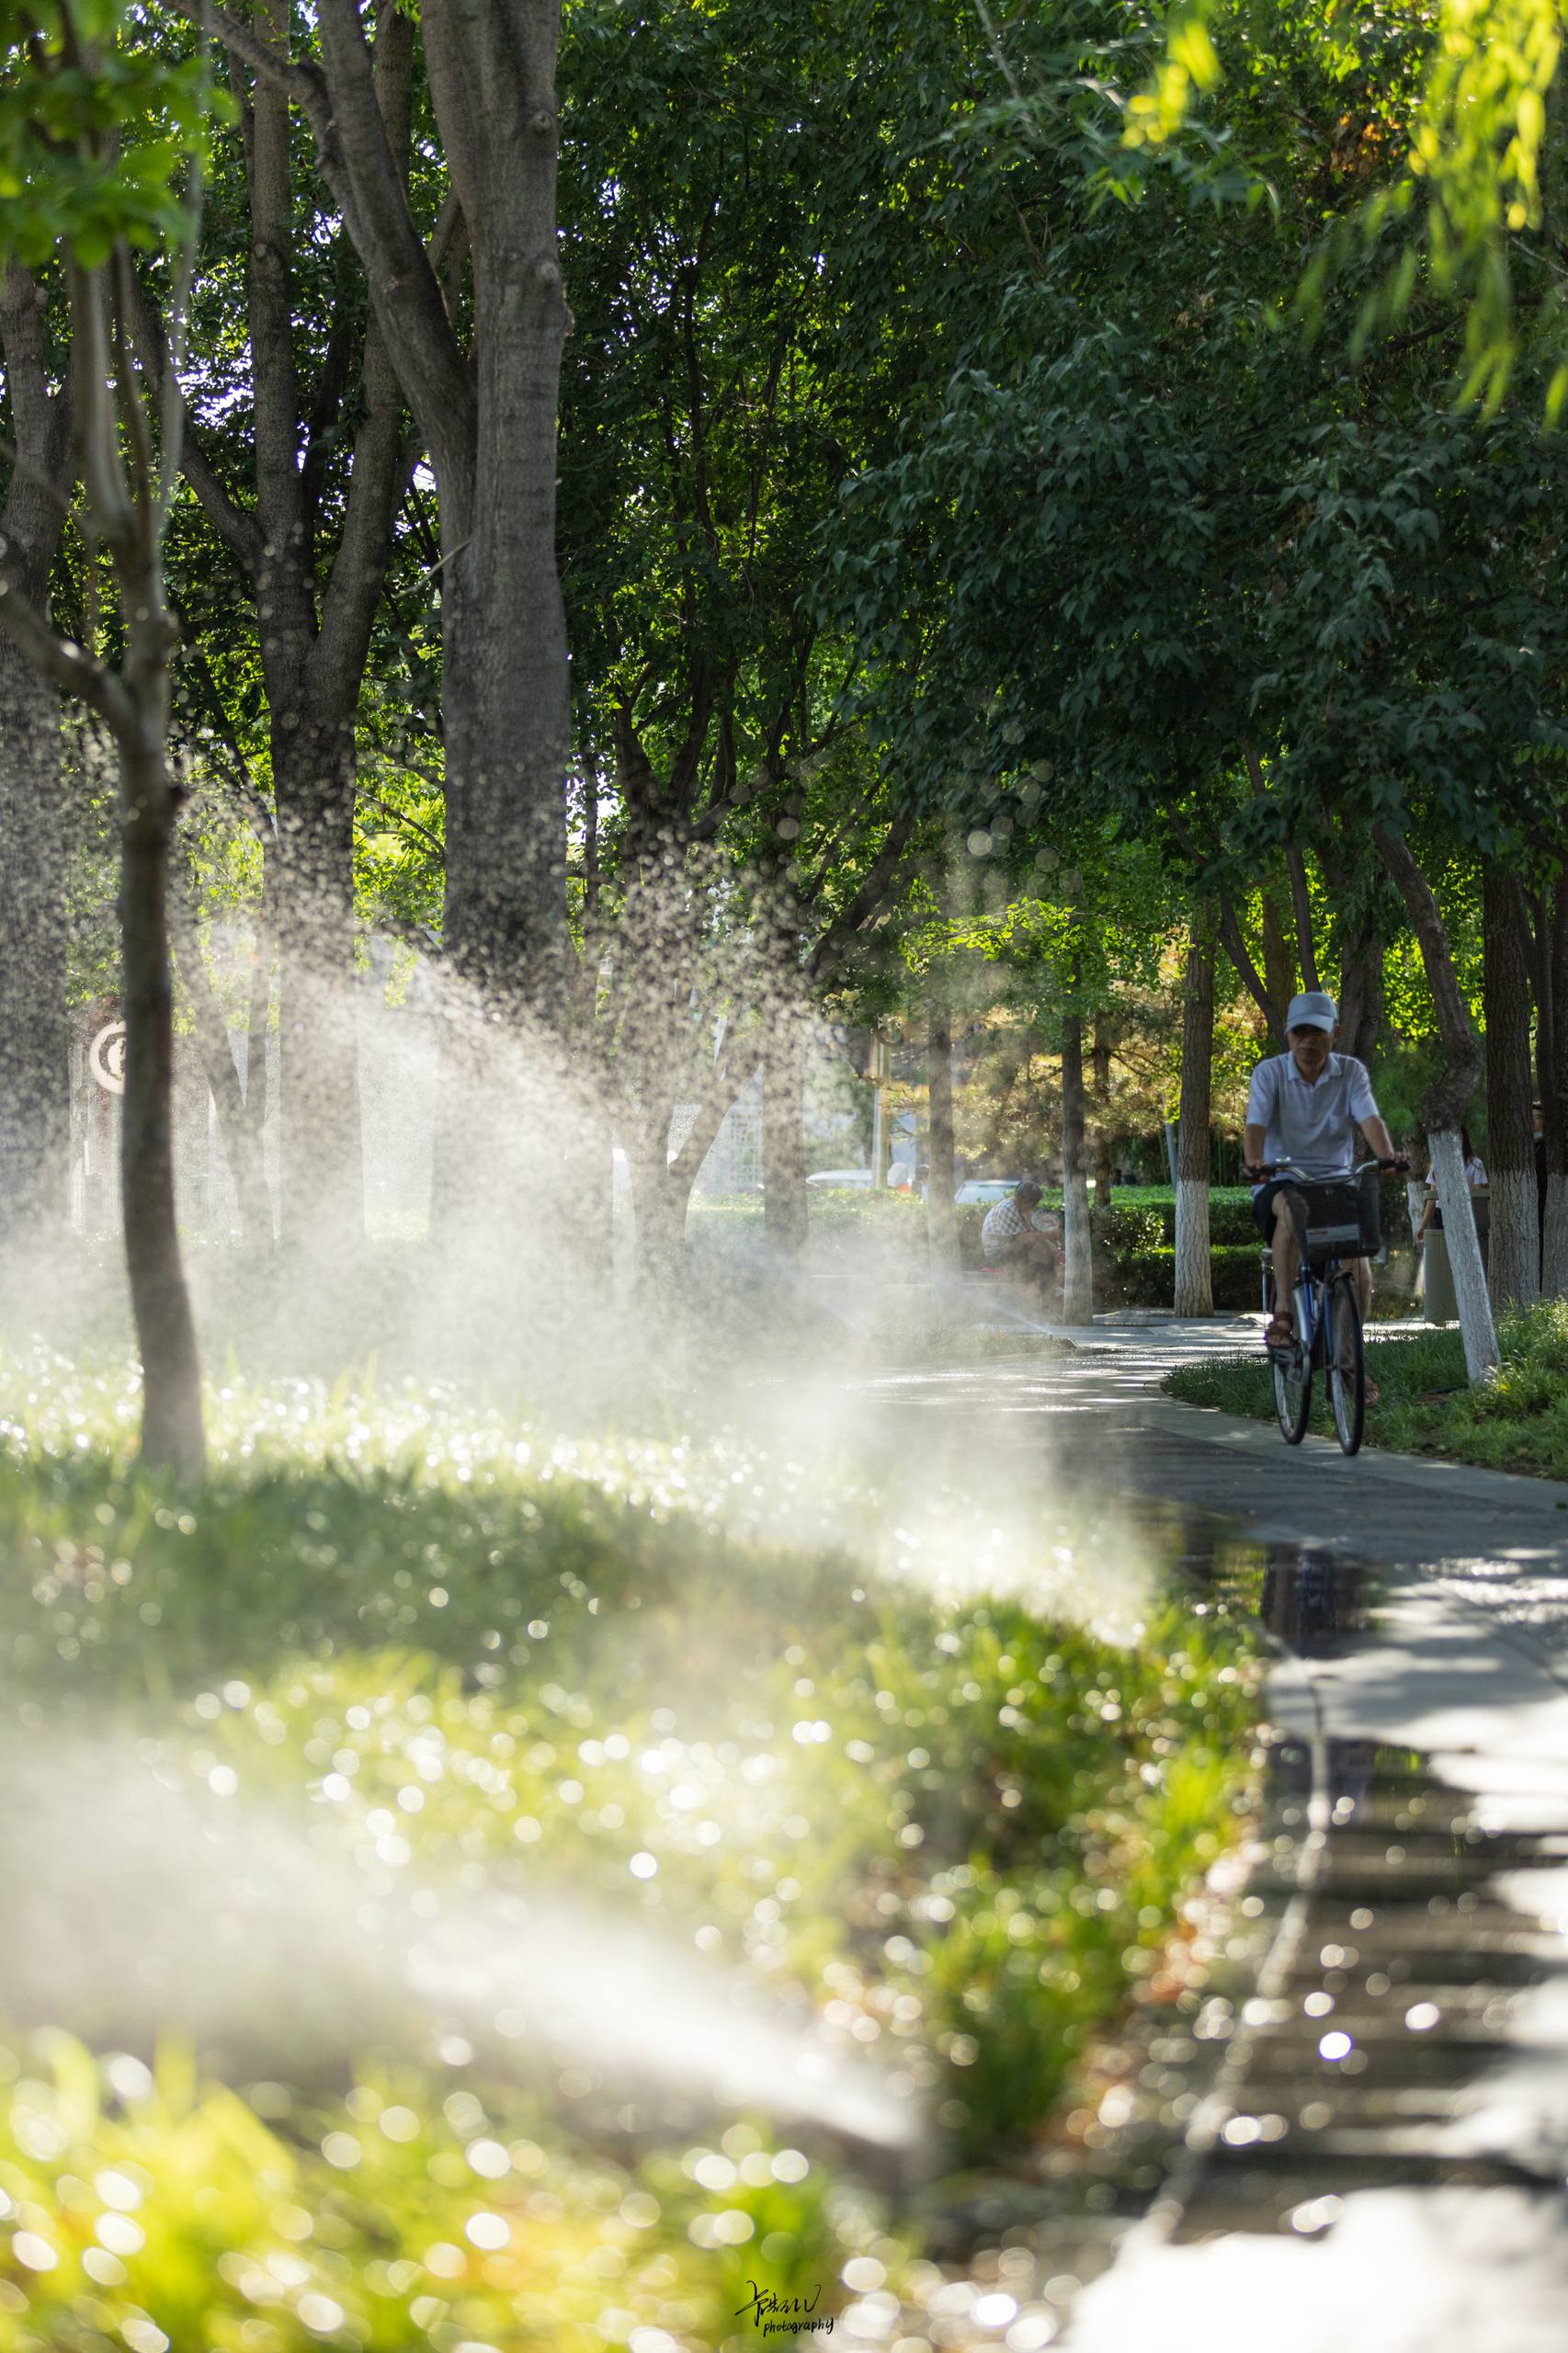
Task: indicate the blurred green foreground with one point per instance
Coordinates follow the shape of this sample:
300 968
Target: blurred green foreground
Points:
682 1681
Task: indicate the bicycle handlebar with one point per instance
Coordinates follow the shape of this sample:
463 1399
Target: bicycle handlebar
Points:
1292 1168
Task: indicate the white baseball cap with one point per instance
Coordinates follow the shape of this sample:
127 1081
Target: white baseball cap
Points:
1311 1010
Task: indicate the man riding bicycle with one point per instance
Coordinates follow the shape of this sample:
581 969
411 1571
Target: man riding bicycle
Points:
1304 1107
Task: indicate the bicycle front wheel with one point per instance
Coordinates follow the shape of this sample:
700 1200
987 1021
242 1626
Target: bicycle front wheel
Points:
1347 1364
1293 1392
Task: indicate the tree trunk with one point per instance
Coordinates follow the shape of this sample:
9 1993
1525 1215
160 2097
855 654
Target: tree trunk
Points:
35 1064
257 1010
784 1197
240 1135
1078 1288
941 1216
1554 1112
171 1372
1099 1141
1360 990
1194 1271
113 439
1301 904
659 1202
1552 1025
1446 1106
321 1150
504 631
488 417
590 1205
1513 1259
35 1067
1278 958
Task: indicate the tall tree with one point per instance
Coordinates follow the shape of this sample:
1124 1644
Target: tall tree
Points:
749 847
94 126
1194 1272
1447 1103
35 1075
1077 1284
1513 1257
321 436
941 1218
481 381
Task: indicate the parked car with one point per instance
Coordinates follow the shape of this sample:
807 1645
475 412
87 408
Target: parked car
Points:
986 1190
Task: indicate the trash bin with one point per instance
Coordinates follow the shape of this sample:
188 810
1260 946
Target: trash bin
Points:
1442 1307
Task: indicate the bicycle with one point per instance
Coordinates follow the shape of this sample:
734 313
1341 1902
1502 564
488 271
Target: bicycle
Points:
1327 1330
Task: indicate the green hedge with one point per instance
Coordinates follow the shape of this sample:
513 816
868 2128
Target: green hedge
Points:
1133 1235
1148 1279
1145 1220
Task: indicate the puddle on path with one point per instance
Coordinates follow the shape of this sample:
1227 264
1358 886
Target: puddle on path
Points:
1372 1990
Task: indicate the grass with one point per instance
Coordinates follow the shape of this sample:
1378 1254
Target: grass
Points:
939 1803
1519 1422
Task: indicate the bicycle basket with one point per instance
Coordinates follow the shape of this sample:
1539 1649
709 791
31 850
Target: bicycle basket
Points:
1338 1221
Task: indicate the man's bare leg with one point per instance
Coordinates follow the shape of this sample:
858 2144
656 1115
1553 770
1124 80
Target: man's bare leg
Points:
1286 1251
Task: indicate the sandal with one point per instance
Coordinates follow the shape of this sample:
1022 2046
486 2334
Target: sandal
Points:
1280 1333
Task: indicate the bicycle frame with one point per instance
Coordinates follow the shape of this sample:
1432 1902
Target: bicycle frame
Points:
1324 1335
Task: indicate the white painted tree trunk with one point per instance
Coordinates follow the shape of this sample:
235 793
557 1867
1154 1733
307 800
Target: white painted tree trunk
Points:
1476 1327
1194 1285
941 1216
1194 1269
1078 1279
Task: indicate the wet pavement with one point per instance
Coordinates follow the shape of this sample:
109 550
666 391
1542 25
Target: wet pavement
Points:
1360 2138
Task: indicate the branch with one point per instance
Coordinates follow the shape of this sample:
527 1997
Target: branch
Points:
712 1103
263 823
301 82
1303 907
763 778
41 419
269 305
1252 980
689 753
417 935
1446 1103
382 461
404 288
834 946
458 114
103 475
76 672
235 525
357 166
401 817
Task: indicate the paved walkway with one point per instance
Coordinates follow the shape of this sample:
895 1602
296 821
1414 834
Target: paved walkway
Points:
1462 1864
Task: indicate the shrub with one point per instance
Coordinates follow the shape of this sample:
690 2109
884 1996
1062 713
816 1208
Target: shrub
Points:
983 1846
1133 1237
1147 1279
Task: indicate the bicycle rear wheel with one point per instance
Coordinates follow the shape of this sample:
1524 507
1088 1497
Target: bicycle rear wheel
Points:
1347 1364
1293 1387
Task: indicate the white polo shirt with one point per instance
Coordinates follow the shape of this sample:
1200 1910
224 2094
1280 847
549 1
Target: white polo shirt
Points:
1314 1126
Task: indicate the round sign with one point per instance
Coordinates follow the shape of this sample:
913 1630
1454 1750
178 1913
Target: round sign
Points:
105 1058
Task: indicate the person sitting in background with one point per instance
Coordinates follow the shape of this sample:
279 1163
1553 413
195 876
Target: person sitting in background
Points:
1474 1176
1022 1238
